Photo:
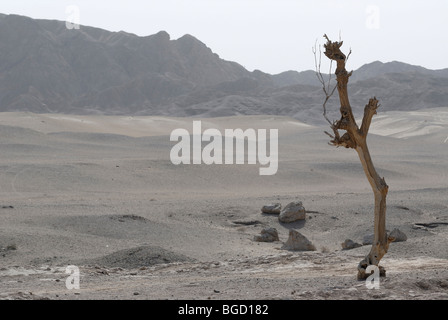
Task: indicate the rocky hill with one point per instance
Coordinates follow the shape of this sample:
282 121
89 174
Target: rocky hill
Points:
44 67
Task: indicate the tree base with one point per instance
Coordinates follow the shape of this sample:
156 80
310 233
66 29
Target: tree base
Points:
363 275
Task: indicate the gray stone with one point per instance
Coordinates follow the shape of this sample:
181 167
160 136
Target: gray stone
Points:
350 244
298 242
292 212
398 235
419 227
267 235
273 208
368 239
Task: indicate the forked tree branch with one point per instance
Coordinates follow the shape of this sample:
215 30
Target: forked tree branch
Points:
369 112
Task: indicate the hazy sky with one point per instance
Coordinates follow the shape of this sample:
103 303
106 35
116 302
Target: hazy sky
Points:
273 35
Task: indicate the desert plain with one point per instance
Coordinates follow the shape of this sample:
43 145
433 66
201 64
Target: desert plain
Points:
100 193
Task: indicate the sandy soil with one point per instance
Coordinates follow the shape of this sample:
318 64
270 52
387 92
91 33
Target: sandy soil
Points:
101 193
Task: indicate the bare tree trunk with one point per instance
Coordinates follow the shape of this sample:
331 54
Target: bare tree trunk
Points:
356 138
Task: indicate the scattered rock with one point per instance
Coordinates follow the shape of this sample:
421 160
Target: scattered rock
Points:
128 217
419 227
267 235
7 207
247 223
398 235
431 224
368 239
273 208
11 247
350 244
292 212
298 242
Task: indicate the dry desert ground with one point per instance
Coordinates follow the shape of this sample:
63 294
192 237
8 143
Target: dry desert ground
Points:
100 193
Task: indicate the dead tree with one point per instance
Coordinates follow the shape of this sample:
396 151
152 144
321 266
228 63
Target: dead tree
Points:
356 138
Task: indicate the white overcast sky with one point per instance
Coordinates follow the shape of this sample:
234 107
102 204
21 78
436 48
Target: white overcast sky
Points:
273 35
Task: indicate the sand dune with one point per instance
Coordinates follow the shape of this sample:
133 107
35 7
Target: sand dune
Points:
401 124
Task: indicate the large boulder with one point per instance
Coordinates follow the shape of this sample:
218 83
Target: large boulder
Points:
273 208
298 242
350 244
292 212
398 235
267 235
